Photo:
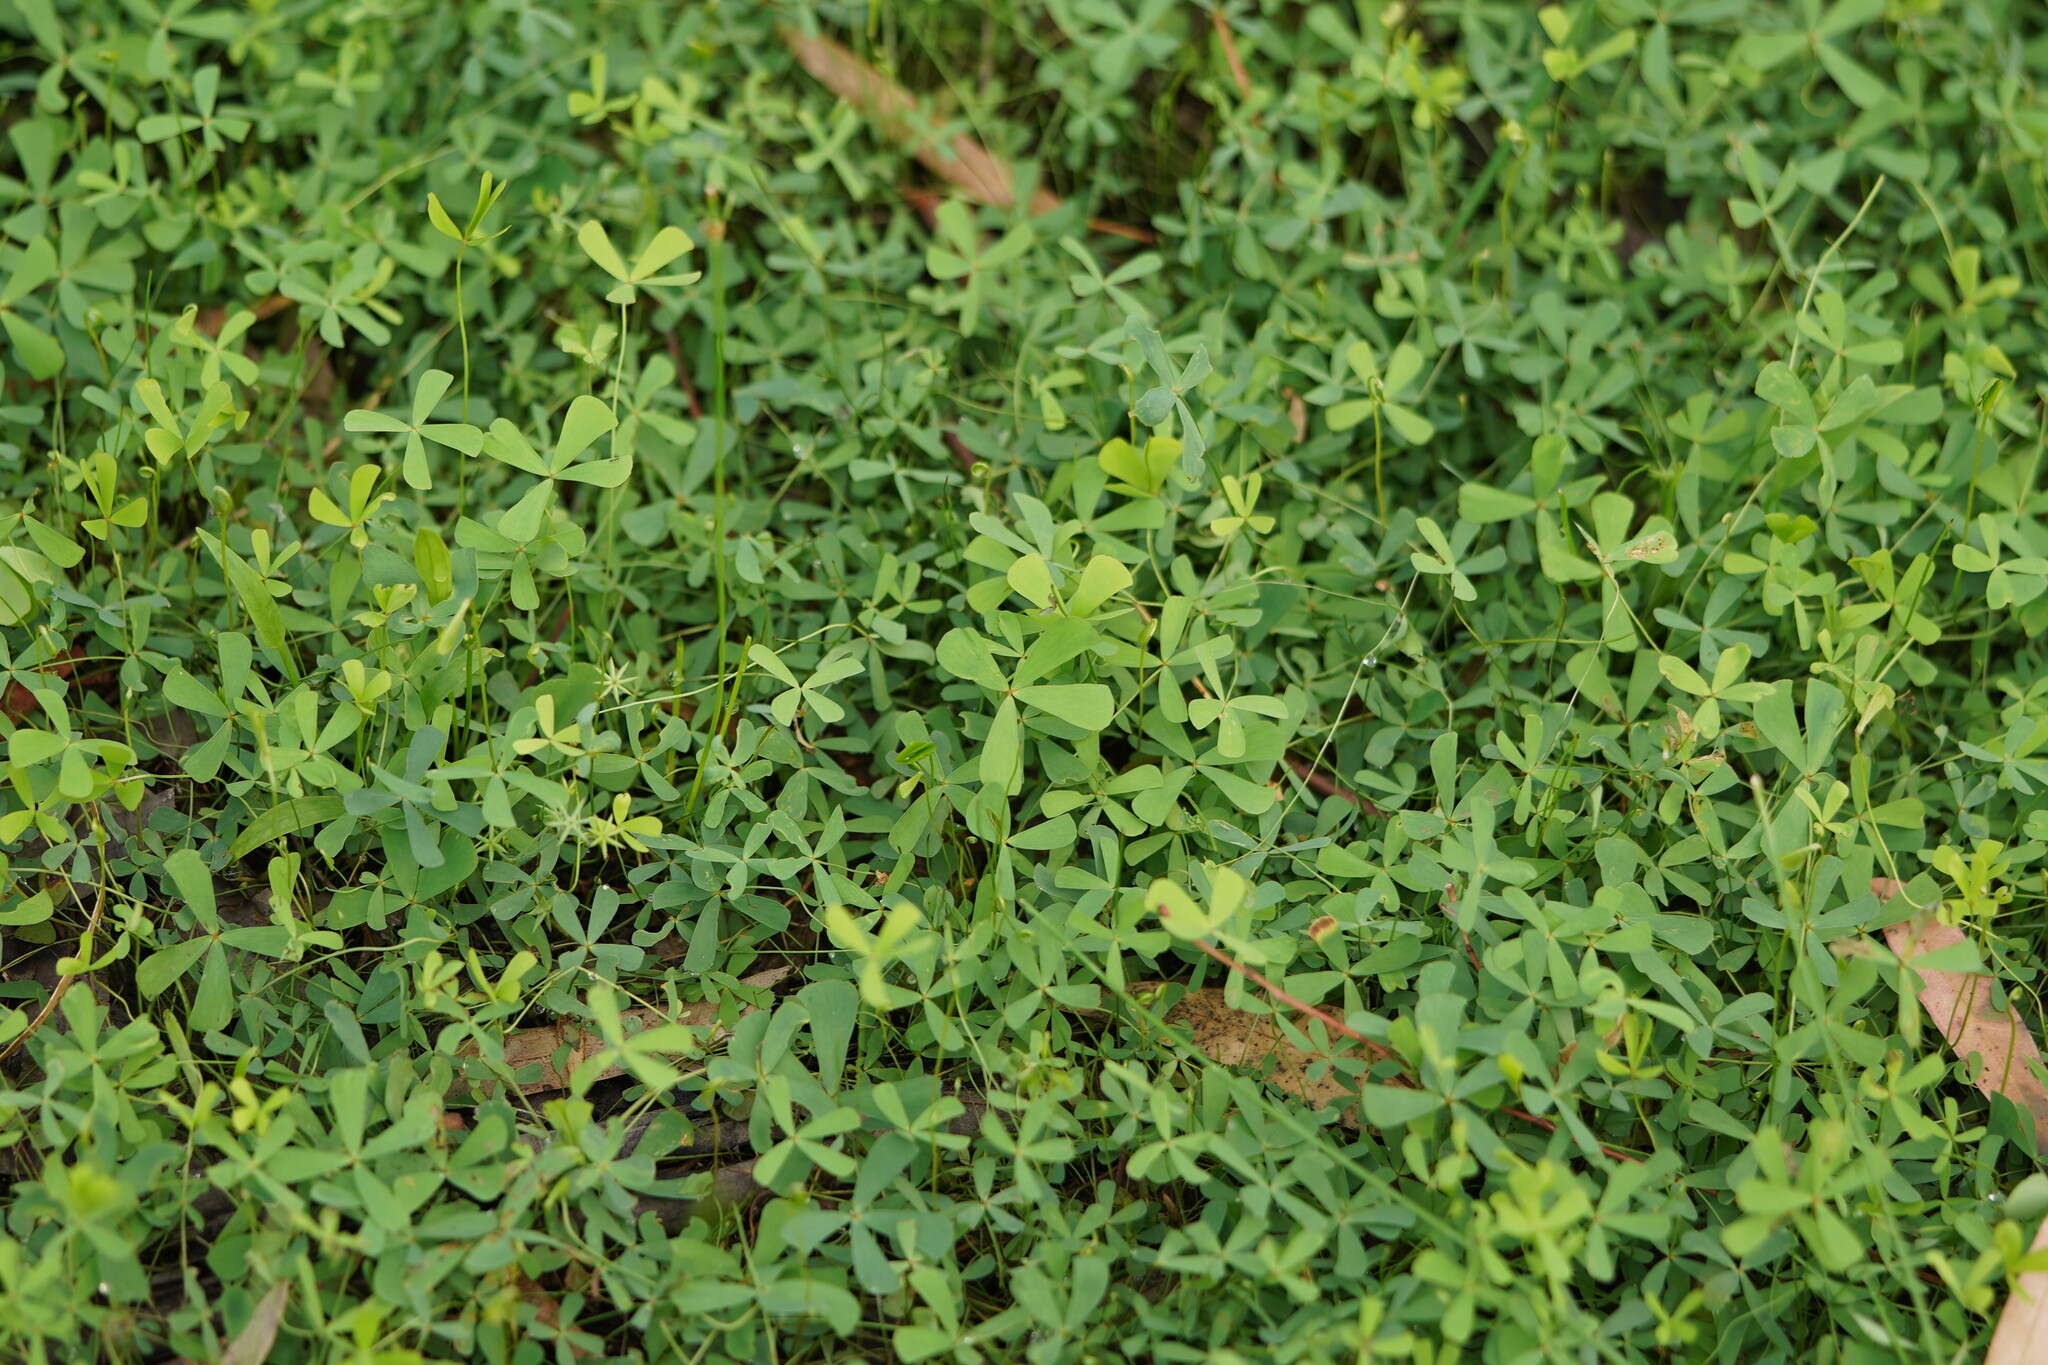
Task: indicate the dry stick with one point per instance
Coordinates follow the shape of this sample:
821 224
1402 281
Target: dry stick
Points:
1109 228
926 202
1379 1051
64 984
1323 784
675 355
211 320
961 161
1229 41
1326 785
968 459
1450 898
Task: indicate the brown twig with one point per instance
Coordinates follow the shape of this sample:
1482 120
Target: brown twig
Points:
961 161
1379 1051
1550 1126
211 320
926 202
675 355
1123 230
1450 899
968 459
1229 41
92 925
1323 784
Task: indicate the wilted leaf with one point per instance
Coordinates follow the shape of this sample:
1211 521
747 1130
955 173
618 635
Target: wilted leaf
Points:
2022 1335
252 1344
1960 1005
543 1058
1234 1037
961 160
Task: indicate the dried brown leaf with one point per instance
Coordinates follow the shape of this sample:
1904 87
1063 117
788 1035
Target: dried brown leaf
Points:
1960 1005
544 1057
1233 1037
2022 1335
961 161
546 1307
252 1344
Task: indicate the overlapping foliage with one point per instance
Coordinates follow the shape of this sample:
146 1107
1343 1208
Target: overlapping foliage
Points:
1516 524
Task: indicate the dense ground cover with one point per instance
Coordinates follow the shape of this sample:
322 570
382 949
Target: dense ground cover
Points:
651 715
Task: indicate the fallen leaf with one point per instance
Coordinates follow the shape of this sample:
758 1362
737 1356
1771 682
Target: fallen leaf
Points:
252 1344
20 703
2022 1335
1235 1037
1960 1005
544 1057
960 160
546 1307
